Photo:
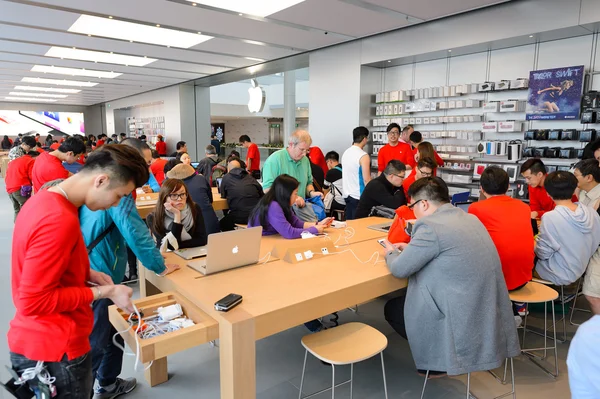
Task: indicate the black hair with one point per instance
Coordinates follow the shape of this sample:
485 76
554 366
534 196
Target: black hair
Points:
180 145
427 163
72 144
33 153
170 165
432 189
245 138
416 137
589 167
393 167
533 165
332 155
28 140
155 154
124 164
560 185
234 153
122 134
494 180
142 137
359 134
136 143
391 126
37 144
280 192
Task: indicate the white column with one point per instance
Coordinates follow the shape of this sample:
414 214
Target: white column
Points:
289 105
201 133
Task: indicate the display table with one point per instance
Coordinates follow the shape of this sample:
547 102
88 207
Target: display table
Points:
4 165
277 296
145 203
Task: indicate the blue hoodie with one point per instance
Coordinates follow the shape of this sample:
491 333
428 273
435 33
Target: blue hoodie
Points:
566 242
110 255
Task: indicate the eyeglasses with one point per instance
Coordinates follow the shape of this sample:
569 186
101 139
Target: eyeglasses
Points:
411 206
425 174
303 151
393 132
176 197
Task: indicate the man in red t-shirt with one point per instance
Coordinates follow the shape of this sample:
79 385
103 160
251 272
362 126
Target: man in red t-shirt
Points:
18 176
48 166
161 146
508 222
158 167
253 156
425 168
396 148
416 138
101 140
51 270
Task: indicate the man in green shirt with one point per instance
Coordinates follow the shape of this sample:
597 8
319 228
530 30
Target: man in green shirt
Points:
292 161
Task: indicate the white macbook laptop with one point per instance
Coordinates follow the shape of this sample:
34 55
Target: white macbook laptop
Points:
229 250
191 253
383 227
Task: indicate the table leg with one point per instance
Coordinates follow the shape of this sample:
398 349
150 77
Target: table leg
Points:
238 359
143 281
157 373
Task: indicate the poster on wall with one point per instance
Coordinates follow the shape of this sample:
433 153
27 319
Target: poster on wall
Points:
218 129
555 94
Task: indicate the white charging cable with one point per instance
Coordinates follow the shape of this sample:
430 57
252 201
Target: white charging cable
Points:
38 371
347 234
375 254
269 257
137 342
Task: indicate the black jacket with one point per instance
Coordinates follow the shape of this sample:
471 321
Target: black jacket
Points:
379 191
199 238
201 194
242 192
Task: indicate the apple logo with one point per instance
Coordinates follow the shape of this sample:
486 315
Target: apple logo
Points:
235 250
257 97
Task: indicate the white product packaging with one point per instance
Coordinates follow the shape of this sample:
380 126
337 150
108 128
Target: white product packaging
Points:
474 136
451 104
386 96
460 104
487 86
394 95
451 119
378 97
418 121
489 127
410 107
395 109
401 95
446 91
460 119
425 121
512 106
443 105
509 126
520 83
433 119
411 121
502 85
453 91
492 106
405 121
451 133
425 135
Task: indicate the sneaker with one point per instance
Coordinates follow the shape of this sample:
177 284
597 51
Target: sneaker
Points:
131 279
518 321
567 298
120 387
521 309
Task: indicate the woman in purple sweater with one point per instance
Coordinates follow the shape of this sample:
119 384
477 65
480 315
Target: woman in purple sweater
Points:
274 211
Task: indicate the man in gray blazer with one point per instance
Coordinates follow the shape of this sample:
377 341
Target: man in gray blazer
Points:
456 314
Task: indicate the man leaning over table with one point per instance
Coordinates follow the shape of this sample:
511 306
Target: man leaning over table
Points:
293 161
456 314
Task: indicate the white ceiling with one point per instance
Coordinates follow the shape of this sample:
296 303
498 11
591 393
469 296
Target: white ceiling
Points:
29 28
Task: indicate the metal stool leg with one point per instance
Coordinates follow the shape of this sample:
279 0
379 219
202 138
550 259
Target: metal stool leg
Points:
384 379
302 378
351 378
555 346
525 322
574 307
425 384
332 381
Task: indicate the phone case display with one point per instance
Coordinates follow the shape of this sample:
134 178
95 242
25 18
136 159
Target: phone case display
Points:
151 126
587 135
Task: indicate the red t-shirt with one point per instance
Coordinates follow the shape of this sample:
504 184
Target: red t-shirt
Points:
254 155
158 170
19 173
50 268
410 179
47 168
316 156
508 221
161 148
397 231
54 146
99 143
540 201
402 152
39 149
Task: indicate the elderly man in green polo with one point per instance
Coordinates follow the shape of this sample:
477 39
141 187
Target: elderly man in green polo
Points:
294 162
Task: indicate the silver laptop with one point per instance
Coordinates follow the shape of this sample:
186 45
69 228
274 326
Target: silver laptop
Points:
229 250
191 253
384 227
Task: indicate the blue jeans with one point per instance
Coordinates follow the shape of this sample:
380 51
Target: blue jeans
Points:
107 359
351 205
73 377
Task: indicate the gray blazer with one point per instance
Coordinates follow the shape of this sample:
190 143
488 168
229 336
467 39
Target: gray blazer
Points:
458 315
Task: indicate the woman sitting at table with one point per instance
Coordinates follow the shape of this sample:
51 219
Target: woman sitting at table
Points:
274 211
177 218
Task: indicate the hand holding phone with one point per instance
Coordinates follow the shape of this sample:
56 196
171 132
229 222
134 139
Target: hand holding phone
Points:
326 221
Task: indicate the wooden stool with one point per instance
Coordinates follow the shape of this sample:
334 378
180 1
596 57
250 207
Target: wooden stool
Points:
347 344
537 293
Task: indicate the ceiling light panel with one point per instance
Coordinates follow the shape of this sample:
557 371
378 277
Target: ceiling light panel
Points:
13 93
97 56
259 8
74 71
59 82
255 59
47 89
38 100
123 30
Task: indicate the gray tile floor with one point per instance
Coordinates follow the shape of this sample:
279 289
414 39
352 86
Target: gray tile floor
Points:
195 373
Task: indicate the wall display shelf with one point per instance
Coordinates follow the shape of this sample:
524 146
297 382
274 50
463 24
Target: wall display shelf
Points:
151 127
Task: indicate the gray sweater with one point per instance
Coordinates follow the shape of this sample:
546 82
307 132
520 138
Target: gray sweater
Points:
458 315
566 242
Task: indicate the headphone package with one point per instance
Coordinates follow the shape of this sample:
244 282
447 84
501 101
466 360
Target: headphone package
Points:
554 134
587 135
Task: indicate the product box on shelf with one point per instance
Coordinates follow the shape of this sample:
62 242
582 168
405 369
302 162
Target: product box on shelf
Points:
509 126
529 135
569 134
443 105
554 134
411 121
511 171
451 104
425 135
394 95
464 179
433 119
491 106
378 97
487 86
512 106
386 96
528 152
567 153
395 109
474 136
515 150
520 83
489 127
472 103
405 121
587 135
426 121
453 91
418 121
541 134
446 91
410 107
502 85
591 99
589 116
539 152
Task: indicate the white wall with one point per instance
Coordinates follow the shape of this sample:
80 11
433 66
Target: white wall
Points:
94 118
256 128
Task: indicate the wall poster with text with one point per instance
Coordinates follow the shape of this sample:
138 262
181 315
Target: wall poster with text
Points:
555 94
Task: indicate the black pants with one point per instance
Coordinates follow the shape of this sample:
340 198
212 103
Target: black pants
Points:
335 206
107 359
132 261
351 205
515 312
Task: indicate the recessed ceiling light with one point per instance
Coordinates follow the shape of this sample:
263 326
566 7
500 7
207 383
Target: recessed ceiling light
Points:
530 35
98 56
260 8
449 51
74 71
254 42
41 100
140 33
194 4
240 14
158 25
47 89
199 33
14 93
254 59
89 35
389 60
59 82
110 16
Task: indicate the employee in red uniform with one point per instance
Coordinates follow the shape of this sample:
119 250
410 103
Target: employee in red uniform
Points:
396 148
161 146
18 180
253 156
157 167
51 271
48 166
416 138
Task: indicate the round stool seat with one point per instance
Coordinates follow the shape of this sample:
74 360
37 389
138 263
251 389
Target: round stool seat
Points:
346 344
533 293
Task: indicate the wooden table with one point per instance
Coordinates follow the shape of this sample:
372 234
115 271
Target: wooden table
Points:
277 296
146 206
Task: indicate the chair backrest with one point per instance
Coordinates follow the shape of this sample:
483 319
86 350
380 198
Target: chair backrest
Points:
460 197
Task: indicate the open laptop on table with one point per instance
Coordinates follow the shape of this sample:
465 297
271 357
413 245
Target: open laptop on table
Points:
383 227
229 250
191 253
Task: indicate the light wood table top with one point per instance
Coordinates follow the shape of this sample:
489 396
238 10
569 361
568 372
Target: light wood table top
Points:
145 205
